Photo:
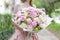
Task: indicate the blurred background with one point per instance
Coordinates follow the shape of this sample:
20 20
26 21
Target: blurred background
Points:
52 8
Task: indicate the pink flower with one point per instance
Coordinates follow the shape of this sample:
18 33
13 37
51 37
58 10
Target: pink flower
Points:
29 21
18 14
38 22
22 18
32 12
33 15
38 11
34 24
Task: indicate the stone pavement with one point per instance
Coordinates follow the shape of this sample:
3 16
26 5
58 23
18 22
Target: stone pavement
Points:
46 35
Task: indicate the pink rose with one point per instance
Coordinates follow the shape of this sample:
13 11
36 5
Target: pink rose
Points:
33 15
38 11
32 12
22 18
18 14
34 24
29 21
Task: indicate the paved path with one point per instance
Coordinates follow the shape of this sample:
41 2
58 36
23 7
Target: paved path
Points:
46 35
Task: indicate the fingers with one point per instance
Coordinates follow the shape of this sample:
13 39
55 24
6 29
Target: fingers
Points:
25 33
34 37
17 26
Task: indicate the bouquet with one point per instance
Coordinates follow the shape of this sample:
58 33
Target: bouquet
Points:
31 19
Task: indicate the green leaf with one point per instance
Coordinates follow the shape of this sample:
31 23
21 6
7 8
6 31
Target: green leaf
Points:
39 28
28 16
25 22
36 29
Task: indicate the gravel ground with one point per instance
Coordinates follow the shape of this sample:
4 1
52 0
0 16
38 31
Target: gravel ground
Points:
46 35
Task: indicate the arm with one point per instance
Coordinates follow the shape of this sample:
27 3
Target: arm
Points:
16 8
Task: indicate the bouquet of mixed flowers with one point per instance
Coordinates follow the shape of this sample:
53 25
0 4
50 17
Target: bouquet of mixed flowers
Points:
32 19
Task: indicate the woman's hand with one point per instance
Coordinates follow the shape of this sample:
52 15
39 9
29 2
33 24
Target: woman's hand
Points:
17 26
34 36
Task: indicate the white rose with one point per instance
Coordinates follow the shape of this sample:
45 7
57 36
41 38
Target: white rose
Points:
40 16
36 19
23 25
25 13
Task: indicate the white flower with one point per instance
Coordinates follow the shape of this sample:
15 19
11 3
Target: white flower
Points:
25 13
23 25
47 20
40 16
36 19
